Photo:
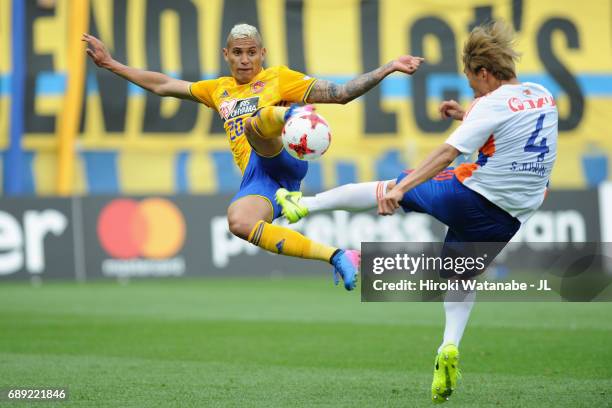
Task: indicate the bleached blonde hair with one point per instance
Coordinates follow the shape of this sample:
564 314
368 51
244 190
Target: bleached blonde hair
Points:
491 46
244 31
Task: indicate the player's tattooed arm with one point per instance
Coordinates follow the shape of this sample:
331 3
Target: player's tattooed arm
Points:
329 92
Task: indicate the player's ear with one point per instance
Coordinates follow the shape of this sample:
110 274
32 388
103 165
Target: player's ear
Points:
484 73
225 53
264 51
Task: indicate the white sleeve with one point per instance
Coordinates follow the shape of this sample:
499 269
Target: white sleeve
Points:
478 124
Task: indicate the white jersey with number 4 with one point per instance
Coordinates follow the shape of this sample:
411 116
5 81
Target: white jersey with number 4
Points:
515 131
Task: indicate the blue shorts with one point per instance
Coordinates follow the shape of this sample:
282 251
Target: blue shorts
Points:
469 216
264 175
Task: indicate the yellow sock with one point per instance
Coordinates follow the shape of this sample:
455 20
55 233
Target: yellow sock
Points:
269 121
281 240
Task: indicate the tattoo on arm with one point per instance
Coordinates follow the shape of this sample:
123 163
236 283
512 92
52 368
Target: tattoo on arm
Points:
328 92
324 92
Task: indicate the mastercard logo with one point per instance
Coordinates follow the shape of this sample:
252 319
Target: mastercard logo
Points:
153 228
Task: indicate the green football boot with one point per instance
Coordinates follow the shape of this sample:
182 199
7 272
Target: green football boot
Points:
290 203
446 373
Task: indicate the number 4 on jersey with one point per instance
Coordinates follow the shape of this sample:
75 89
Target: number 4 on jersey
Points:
531 145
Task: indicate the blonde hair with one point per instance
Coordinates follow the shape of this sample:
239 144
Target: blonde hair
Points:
244 31
491 46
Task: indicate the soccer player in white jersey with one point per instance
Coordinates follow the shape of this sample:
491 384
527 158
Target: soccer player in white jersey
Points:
513 125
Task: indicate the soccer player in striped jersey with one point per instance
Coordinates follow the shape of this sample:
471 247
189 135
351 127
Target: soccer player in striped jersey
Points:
252 103
514 127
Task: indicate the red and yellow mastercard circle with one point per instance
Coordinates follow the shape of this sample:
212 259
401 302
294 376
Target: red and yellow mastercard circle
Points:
153 228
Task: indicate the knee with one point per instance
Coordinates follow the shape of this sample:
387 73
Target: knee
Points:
249 130
240 226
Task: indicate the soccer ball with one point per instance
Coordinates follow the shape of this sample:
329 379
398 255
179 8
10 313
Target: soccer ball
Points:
306 135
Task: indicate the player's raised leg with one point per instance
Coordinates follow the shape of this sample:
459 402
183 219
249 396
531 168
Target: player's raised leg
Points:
348 197
264 128
250 218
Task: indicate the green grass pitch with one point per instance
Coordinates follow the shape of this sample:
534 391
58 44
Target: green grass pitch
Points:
295 342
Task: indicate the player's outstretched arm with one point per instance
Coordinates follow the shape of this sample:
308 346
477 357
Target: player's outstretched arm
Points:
329 92
155 82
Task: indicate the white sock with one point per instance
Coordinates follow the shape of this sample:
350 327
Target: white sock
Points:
348 197
457 314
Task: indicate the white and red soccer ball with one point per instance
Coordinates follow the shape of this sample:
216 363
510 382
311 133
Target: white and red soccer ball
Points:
306 135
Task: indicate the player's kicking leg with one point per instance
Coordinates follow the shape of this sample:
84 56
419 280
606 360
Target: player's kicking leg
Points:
348 197
463 212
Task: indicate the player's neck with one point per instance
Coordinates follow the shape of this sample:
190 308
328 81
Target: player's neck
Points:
498 83
511 81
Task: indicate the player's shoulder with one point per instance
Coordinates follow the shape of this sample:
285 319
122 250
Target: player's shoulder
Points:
210 90
224 81
521 89
287 72
476 106
276 71
488 106
277 68
536 87
214 82
497 98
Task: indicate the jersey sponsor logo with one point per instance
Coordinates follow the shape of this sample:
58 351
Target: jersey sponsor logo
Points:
517 105
238 107
258 86
226 108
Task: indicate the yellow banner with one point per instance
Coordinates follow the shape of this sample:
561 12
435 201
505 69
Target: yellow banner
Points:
167 145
